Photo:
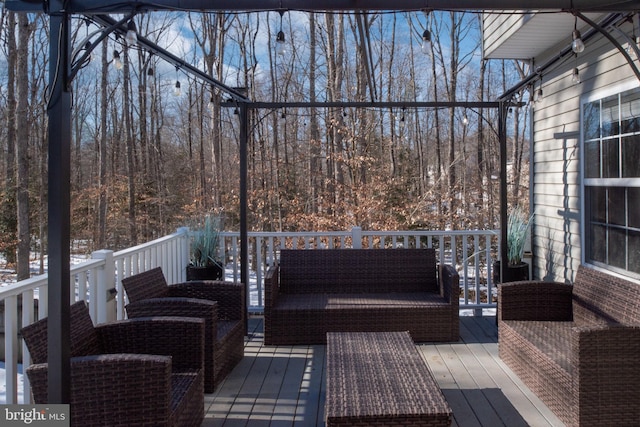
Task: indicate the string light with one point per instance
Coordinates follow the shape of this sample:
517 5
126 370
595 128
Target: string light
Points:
426 39
426 42
117 62
132 34
577 45
576 76
537 97
281 47
177 90
212 101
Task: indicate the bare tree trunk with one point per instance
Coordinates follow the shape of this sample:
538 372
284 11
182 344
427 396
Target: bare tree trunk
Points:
439 177
518 143
9 220
102 151
393 166
130 142
335 60
315 148
480 149
453 87
22 133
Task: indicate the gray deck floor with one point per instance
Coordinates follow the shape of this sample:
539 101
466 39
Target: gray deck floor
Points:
285 385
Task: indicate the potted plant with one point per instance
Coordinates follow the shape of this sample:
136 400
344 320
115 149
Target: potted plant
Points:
517 233
206 263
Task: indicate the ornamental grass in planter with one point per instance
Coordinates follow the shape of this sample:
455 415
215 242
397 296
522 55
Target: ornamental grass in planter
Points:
518 224
206 262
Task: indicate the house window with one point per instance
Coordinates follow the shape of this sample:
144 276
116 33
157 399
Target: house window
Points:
611 135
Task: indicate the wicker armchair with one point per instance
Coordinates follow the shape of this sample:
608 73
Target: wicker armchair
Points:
129 373
220 304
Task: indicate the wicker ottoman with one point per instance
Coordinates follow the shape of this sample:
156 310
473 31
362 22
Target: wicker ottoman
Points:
380 379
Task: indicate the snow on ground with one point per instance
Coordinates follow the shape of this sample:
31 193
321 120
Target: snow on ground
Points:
3 384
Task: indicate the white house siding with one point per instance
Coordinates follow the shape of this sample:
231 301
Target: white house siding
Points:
556 154
527 34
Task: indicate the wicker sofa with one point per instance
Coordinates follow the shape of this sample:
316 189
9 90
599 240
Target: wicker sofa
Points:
137 372
312 292
577 347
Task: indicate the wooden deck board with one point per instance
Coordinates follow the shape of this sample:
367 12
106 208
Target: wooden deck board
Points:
285 385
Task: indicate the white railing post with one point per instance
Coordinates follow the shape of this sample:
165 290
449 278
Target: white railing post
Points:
105 300
11 348
184 253
356 237
28 316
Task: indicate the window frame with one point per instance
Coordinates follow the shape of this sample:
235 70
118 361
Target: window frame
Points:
585 183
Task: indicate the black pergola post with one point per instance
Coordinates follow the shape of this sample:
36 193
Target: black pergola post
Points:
59 110
502 138
243 112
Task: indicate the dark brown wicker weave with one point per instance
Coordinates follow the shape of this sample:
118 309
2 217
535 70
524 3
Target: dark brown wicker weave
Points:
380 379
312 292
220 304
140 372
577 347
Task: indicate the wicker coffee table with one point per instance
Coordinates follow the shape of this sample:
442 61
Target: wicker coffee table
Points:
380 379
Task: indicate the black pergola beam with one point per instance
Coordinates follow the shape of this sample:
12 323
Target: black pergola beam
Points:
149 46
367 104
118 6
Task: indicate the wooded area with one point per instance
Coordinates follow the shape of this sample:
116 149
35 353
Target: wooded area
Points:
146 160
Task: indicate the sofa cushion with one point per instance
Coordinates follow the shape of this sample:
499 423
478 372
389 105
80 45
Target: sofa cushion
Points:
367 301
553 339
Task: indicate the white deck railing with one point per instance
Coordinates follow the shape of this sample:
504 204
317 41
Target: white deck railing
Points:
472 252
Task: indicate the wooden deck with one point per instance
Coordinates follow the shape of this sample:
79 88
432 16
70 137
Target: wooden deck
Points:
285 386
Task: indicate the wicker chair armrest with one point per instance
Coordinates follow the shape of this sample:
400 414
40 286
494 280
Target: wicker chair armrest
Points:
599 336
271 286
449 283
605 360
230 295
124 387
535 300
177 307
182 338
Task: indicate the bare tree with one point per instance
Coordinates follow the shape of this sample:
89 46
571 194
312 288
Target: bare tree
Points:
9 221
22 136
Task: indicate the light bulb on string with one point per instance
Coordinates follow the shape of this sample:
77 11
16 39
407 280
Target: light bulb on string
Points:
177 89
538 96
577 45
576 76
117 62
281 47
132 34
426 42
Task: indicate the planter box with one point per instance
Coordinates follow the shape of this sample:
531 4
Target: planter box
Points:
213 272
513 273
